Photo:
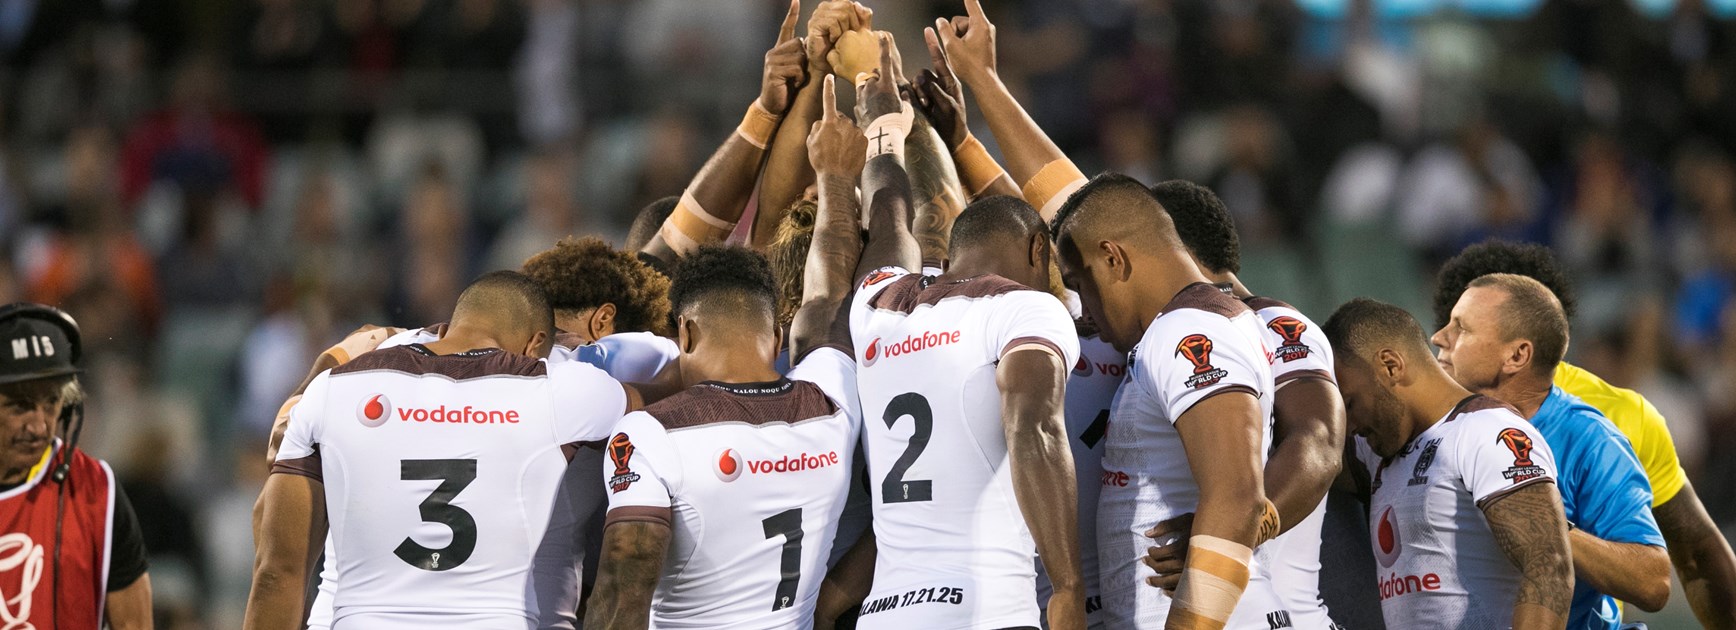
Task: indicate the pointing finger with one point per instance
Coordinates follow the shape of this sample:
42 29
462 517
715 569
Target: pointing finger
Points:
830 100
788 29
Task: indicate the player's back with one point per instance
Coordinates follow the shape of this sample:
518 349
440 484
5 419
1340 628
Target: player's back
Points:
954 551
751 478
440 473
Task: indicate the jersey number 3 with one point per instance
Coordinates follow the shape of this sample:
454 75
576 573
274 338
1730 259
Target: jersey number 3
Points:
895 489
454 475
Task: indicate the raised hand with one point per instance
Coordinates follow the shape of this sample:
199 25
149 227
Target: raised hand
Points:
969 41
877 92
786 66
938 94
830 21
859 51
836 147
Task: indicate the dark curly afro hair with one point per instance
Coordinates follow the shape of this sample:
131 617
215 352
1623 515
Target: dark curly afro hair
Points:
580 274
1203 223
723 268
1497 256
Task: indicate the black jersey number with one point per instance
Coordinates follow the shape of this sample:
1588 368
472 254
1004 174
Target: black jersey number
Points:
895 488
788 524
454 475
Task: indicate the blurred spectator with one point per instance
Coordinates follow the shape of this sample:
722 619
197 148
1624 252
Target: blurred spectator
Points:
548 105
550 211
196 141
1257 179
1456 192
1605 205
434 254
171 533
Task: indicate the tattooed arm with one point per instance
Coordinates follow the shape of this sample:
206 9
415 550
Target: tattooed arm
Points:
627 574
1702 558
934 188
1531 529
837 149
885 186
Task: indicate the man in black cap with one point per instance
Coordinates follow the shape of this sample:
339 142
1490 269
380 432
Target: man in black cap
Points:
70 549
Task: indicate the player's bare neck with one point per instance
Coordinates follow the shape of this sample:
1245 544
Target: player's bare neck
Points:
737 363
1433 400
462 338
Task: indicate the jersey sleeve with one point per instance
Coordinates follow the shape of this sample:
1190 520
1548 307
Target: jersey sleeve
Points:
587 402
1299 348
1613 499
642 470
299 453
1195 355
636 357
1498 456
1025 318
1656 451
835 374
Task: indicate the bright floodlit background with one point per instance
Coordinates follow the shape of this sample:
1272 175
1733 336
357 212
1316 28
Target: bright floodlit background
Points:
218 189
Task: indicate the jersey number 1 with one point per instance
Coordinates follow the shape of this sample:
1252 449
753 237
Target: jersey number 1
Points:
788 524
895 489
454 475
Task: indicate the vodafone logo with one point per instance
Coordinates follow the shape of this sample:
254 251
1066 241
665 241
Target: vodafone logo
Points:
1387 543
374 410
912 344
729 465
1082 368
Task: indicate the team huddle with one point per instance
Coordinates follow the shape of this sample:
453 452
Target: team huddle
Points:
926 389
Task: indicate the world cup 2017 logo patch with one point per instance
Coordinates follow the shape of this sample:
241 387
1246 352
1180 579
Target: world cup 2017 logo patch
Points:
1520 444
621 452
1197 349
1290 329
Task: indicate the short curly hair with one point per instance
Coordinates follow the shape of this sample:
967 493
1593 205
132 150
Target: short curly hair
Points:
580 274
1498 256
1203 223
788 255
713 269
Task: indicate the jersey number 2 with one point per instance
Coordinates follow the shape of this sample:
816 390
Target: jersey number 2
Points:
454 475
788 524
894 489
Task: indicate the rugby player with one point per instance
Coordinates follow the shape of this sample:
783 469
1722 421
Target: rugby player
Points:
965 374
382 427
1189 428
690 476
1699 551
1464 515
1308 415
1505 339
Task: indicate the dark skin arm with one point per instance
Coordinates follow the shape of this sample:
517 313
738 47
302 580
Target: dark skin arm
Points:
1222 436
848 583
938 94
837 149
627 575
787 171
292 517
1531 529
1702 558
1033 385
934 188
885 186
725 183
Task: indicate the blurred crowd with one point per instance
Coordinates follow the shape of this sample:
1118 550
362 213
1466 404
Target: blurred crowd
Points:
218 190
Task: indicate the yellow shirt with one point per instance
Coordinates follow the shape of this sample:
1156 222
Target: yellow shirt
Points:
1637 419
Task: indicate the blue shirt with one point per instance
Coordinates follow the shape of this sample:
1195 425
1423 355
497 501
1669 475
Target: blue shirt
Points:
1603 488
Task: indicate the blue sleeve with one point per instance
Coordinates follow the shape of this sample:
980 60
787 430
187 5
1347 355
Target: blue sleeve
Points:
1614 499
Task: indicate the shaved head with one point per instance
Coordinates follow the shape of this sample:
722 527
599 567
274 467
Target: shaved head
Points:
506 303
1363 327
1114 207
994 221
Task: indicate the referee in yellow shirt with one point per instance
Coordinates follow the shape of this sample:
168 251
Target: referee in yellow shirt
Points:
1698 550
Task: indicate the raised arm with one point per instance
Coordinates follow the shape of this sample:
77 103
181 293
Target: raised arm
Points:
885 187
837 150
627 575
1046 175
292 528
1531 529
1308 429
1033 382
716 198
938 94
1221 436
1702 557
787 171
935 190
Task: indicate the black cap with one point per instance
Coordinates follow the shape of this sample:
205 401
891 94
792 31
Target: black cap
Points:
32 346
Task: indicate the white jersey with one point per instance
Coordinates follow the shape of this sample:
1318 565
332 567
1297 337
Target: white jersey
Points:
1440 566
440 476
1299 350
1090 390
954 551
635 357
1204 343
751 479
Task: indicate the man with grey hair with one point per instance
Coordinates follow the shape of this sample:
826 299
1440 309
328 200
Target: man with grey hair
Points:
1504 340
